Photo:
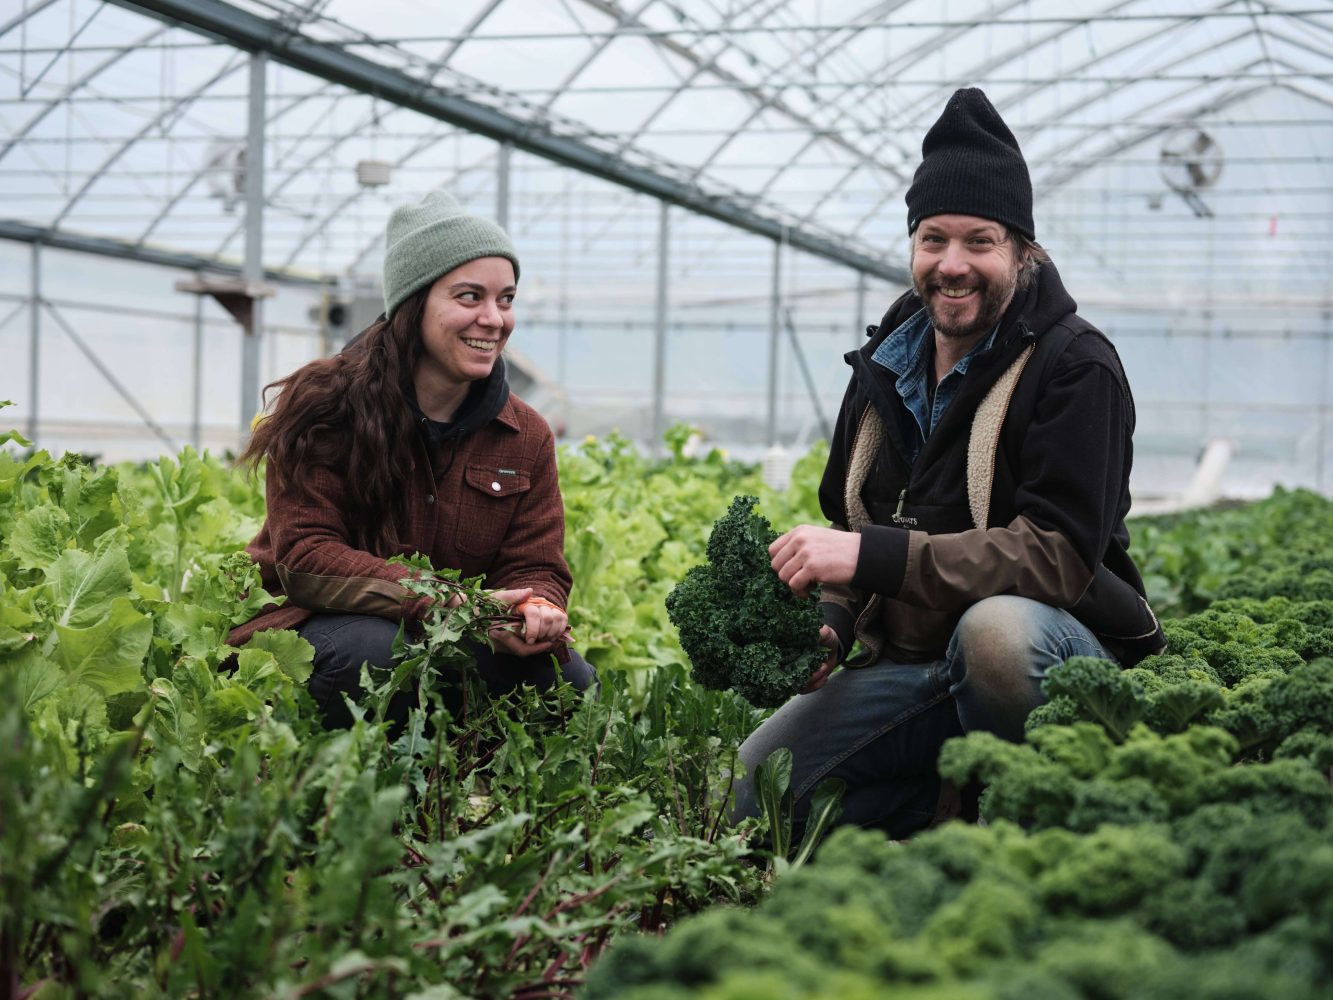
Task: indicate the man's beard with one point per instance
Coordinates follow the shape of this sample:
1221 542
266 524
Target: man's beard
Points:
995 296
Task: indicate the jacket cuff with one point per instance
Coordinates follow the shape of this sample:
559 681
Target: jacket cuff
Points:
843 624
881 564
415 609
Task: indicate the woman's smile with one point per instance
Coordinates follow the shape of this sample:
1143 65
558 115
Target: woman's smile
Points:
467 321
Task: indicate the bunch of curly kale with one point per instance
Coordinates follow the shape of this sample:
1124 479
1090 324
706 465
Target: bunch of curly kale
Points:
741 626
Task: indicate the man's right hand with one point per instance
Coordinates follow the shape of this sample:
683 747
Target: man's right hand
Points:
808 555
829 640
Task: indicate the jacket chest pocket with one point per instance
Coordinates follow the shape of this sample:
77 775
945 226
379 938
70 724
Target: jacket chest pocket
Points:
490 496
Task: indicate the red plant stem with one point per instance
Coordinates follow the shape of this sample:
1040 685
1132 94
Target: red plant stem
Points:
331 978
556 965
657 909
524 993
542 821
587 897
439 785
527 900
721 809
28 991
597 761
675 787
561 959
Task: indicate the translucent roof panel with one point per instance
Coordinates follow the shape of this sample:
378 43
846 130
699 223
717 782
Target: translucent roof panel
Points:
1201 125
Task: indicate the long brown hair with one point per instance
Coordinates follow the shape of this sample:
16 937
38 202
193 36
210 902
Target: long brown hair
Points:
352 412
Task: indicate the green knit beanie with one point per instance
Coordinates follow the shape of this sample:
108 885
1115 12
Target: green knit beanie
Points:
431 238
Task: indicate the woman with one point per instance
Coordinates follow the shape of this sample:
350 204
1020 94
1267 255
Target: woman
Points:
410 441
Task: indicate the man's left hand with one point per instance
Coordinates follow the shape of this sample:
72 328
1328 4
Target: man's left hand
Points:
807 555
829 640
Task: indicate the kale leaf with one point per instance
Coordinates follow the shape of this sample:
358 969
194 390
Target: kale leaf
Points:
741 626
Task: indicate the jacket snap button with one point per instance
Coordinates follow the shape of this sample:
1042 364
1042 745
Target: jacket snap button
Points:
430 498
496 487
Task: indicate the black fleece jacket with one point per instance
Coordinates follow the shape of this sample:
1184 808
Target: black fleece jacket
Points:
1054 528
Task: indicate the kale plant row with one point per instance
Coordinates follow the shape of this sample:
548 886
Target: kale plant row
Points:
1162 832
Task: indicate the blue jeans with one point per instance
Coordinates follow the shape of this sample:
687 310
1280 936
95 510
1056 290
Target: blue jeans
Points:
880 728
344 642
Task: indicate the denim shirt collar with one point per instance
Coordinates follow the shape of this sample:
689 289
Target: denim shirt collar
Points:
906 353
902 351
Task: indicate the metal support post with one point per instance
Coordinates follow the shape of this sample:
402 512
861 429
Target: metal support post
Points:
807 376
1207 366
114 382
502 185
1322 412
34 339
562 312
253 271
660 329
774 335
1325 374
196 381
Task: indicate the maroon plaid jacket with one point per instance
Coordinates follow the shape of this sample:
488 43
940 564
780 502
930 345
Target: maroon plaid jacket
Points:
488 505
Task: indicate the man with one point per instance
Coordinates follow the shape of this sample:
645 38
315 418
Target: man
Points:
977 487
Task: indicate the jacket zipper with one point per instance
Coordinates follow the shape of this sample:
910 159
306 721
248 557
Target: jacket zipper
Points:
898 514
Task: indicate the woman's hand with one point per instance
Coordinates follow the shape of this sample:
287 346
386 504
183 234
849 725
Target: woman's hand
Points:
542 624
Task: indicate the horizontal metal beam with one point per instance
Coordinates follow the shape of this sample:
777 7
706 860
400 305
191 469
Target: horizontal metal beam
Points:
698 32
22 232
233 26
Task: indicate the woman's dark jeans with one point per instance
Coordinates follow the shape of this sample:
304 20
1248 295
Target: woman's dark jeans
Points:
344 642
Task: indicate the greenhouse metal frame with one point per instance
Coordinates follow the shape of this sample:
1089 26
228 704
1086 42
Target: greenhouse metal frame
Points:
742 161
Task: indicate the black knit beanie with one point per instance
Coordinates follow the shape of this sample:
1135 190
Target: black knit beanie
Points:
971 165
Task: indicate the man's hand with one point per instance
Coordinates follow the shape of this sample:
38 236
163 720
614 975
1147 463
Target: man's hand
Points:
542 626
807 555
828 639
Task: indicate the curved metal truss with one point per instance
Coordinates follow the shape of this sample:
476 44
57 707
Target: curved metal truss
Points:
796 120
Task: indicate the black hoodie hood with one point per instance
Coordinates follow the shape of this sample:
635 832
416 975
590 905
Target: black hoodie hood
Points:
485 399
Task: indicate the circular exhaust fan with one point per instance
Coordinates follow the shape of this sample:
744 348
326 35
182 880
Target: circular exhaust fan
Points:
1191 160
